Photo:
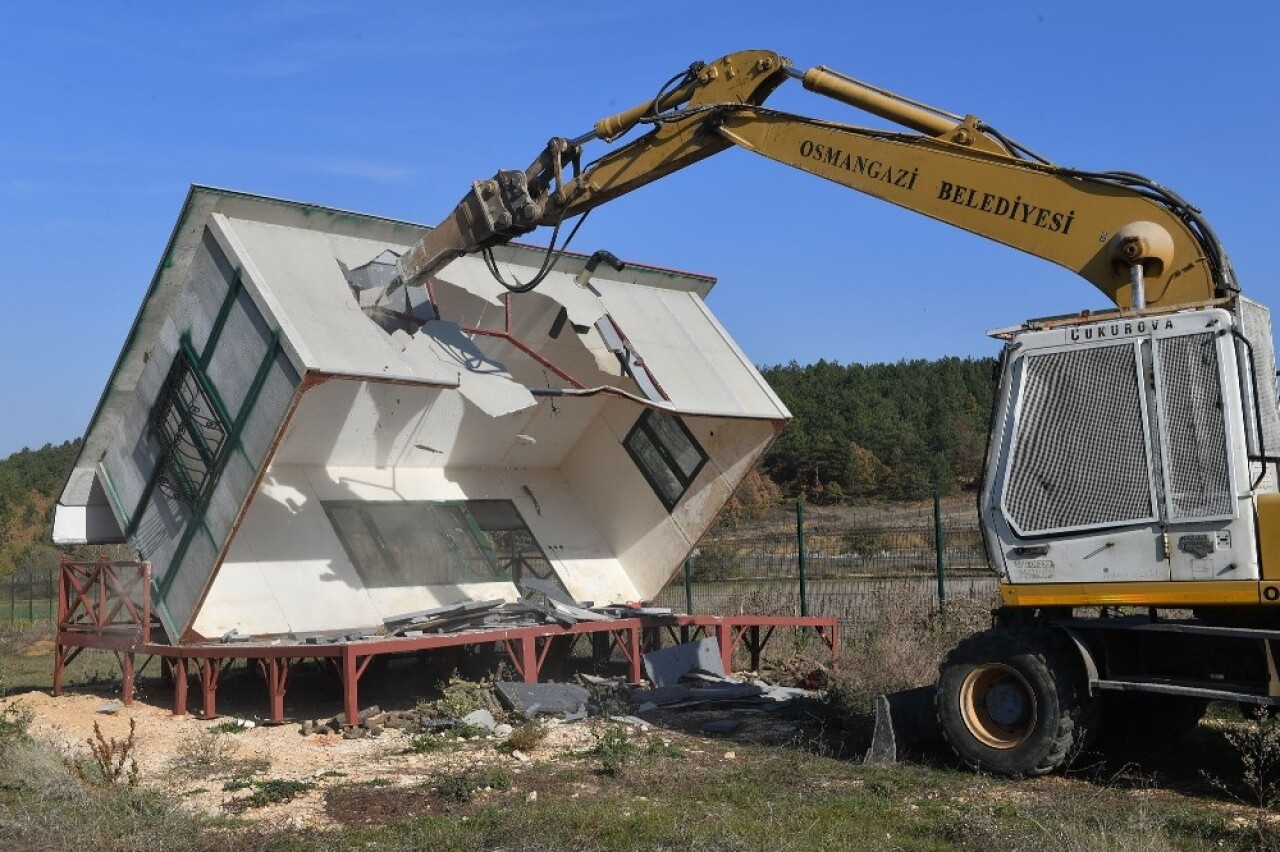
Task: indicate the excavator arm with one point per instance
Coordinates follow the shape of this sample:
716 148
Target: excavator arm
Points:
1134 240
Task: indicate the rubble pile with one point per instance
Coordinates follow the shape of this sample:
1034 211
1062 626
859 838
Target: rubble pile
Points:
684 676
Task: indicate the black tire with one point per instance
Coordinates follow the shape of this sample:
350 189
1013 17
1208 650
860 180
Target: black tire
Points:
1011 701
1140 720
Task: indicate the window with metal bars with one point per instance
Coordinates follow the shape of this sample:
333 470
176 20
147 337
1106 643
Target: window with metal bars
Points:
395 543
667 454
190 432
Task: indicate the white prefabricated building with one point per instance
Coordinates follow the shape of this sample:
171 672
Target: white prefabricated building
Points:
298 447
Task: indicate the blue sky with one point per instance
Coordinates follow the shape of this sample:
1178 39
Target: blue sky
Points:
112 110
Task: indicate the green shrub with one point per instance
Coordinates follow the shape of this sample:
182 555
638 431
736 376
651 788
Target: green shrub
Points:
616 749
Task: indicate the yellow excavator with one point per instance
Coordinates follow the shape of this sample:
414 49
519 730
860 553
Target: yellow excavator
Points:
1129 502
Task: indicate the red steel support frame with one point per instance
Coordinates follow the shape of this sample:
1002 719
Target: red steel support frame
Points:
527 647
103 605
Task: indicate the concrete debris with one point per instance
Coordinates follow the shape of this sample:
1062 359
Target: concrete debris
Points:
578 613
234 635
704 676
110 708
666 666
438 614
481 718
633 721
530 699
552 590
483 615
633 611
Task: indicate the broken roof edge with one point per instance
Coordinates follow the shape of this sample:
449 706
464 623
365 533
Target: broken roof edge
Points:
403 232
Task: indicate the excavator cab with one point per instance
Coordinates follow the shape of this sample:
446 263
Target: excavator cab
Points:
1126 454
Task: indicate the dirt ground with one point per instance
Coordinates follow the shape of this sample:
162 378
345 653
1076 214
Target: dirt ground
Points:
212 767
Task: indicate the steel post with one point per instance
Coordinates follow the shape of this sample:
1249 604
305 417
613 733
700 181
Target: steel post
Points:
688 588
804 588
939 546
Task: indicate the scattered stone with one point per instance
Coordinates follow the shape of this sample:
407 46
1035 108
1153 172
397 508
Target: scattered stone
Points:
519 755
633 721
481 718
730 755
502 730
531 796
110 708
308 728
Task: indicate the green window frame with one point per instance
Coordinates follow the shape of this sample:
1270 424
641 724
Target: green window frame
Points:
190 431
666 453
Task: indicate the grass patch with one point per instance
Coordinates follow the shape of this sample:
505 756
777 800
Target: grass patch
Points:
267 791
462 787
230 726
425 743
207 754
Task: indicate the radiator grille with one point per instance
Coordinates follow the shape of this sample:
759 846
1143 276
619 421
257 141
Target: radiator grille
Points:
1199 479
1080 453
1256 326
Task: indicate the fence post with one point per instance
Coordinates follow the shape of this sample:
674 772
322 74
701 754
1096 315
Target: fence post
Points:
48 587
688 588
804 588
939 545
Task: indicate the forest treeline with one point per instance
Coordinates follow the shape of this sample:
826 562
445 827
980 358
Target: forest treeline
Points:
30 481
889 431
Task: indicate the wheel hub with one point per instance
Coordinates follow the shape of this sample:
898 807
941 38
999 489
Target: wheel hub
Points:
998 705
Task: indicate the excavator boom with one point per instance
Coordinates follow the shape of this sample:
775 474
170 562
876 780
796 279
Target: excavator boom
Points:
1135 241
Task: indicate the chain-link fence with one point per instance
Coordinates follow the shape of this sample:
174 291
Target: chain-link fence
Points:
29 595
860 573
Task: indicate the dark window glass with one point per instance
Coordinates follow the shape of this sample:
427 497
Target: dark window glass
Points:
397 543
665 451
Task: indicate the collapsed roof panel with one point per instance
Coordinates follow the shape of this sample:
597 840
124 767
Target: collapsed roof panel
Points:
297 445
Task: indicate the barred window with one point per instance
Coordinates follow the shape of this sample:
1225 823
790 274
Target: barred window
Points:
190 432
667 454
408 543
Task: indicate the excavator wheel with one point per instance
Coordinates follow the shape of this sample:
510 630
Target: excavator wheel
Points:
1012 701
